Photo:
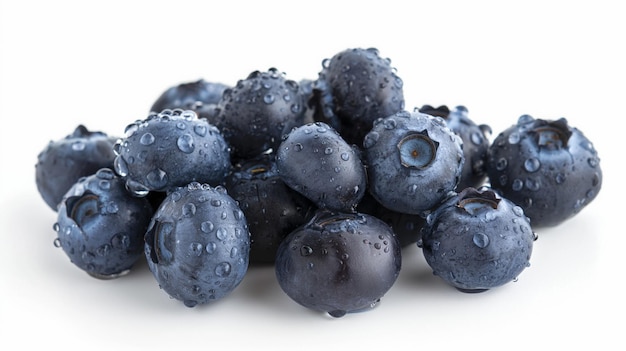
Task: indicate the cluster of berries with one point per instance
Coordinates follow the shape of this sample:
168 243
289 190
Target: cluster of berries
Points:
326 179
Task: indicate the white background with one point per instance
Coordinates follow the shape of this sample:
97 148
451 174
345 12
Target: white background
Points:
103 64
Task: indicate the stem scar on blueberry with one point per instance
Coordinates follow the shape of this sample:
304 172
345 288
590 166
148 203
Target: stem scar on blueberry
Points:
552 135
475 201
417 150
82 209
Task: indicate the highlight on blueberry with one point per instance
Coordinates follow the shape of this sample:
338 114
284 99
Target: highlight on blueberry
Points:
100 226
548 167
477 240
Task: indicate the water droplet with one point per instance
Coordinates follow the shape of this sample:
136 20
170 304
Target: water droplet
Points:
78 146
157 178
593 162
559 178
189 209
514 138
56 227
121 167
532 164
269 99
328 151
481 240
57 242
517 185
306 250
207 226
185 143
146 139
532 184
223 269
136 188
200 130
210 247
222 233
298 147
195 249
502 164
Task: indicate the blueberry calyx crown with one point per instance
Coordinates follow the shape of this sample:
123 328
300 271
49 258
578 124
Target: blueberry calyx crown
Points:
474 201
552 135
417 150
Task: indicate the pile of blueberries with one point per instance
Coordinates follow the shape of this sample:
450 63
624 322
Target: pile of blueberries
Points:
326 179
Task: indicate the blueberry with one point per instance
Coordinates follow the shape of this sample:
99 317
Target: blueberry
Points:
413 161
200 95
316 161
547 167
62 162
101 226
477 240
171 149
406 227
339 263
258 111
475 139
198 244
272 209
354 88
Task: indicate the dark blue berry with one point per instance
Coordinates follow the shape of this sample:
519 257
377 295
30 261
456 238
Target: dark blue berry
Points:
354 88
198 244
272 209
62 162
475 139
413 161
258 111
200 96
317 162
547 167
171 149
477 240
101 226
339 263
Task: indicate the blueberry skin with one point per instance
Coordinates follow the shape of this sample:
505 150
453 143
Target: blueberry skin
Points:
413 161
475 139
547 167
100 225
171 149
200 96
272 209
339 263
258 111
314 160
477 240
198 244
356 86
62 162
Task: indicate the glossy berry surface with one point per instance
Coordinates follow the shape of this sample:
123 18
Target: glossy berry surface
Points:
200 96
258 111
477 240
100 226
355 87
198 244
339 263
413 161
475 139
272 209
62 162
171 149
317 162
547 167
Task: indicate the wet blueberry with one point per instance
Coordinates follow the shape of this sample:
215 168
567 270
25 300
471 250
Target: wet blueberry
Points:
339 263
475 139
198 244
200 96
258 111
547 167
171 149
101 226
355 87
317 162
62 162
413 161
477 240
